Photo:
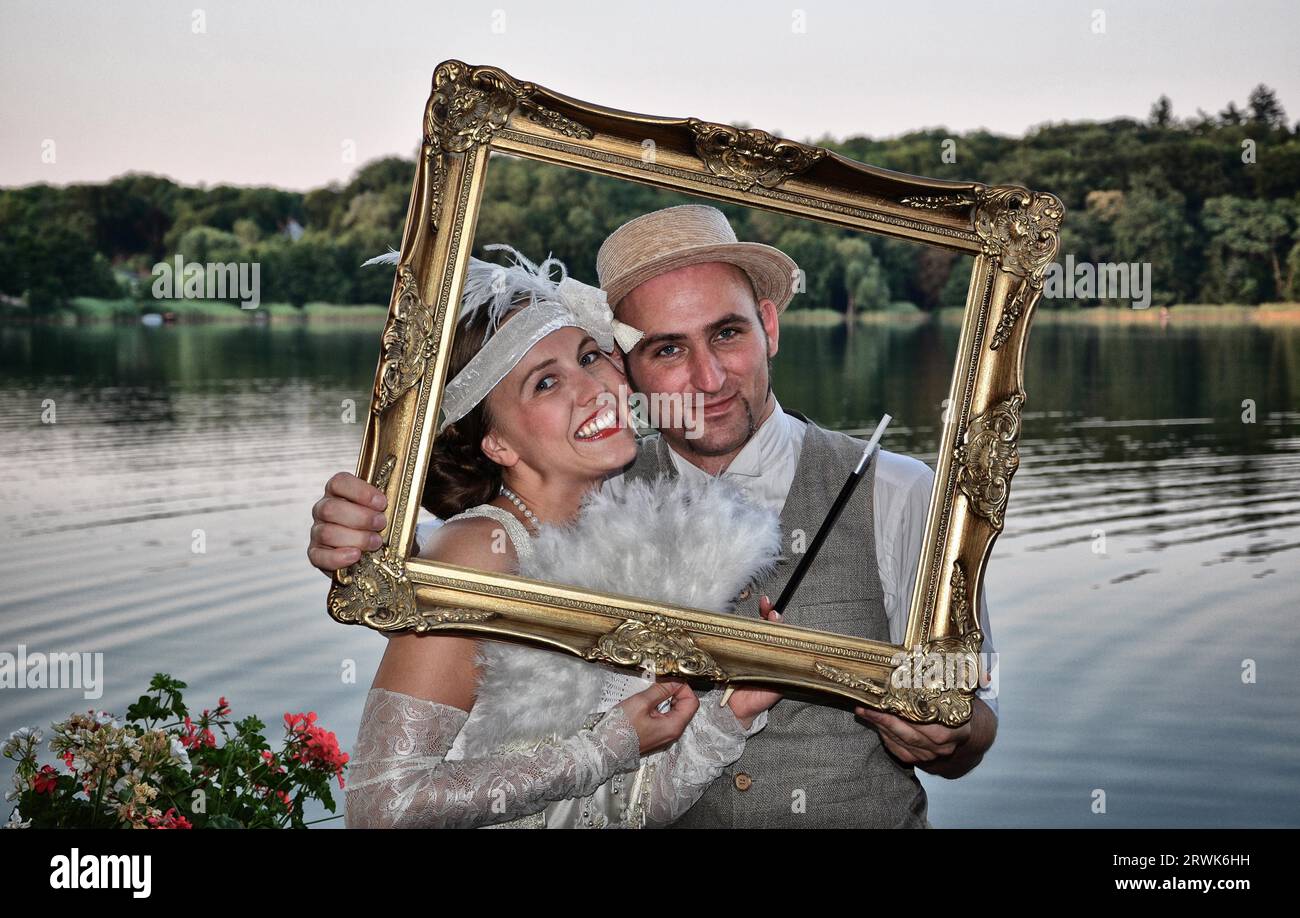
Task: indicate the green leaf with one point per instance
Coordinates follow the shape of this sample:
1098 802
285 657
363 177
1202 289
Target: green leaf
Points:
222 821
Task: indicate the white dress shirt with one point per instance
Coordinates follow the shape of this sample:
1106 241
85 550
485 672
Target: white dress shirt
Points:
764 469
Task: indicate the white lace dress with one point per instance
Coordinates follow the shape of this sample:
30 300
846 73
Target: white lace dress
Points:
407 769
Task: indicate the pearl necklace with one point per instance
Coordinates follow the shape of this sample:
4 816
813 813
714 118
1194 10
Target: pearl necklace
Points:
523 508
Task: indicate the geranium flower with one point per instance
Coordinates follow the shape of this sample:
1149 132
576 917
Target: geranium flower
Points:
320 750
45 780
169 820
23 736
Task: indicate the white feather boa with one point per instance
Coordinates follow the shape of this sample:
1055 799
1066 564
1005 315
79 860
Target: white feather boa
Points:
672 540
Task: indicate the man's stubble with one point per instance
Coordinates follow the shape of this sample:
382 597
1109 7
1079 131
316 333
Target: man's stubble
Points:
751 422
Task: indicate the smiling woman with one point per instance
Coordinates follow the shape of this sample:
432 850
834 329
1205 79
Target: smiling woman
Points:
469 458
560 414
554 421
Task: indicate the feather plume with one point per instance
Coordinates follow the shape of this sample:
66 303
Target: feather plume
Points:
675 541
500 288
388 258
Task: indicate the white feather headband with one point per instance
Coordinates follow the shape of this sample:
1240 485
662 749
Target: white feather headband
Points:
545 306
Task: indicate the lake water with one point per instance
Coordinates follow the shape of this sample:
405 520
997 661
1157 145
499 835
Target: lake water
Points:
1121 670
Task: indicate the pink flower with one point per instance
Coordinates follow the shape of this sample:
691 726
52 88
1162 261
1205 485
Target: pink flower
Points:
170 820
320 750
190 738
299 723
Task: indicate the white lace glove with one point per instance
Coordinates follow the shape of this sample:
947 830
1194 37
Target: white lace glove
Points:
680 774
399 778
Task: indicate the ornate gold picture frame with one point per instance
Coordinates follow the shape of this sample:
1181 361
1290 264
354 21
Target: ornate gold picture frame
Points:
1011 231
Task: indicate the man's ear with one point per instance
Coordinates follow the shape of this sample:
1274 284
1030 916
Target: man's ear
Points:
627 370
498 450
767 315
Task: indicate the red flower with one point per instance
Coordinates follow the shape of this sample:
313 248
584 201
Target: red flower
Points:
193 737
271 764
319 749
223 707
67 760
44 781
299 723
170 820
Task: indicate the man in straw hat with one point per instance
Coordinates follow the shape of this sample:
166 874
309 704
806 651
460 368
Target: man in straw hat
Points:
708 306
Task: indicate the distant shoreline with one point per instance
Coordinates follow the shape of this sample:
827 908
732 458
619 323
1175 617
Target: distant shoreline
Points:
190 312
1189 313
87 311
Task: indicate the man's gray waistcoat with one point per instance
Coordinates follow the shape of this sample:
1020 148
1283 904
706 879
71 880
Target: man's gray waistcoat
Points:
815 765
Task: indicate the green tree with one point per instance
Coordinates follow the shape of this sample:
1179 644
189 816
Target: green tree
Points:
1265 109
865 286
822 270
208 244
1152 226
1245 237
1162 113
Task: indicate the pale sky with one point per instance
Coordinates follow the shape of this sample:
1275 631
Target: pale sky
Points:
272 92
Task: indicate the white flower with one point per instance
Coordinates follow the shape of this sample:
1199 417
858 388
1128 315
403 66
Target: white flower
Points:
16 821
20 737
179 754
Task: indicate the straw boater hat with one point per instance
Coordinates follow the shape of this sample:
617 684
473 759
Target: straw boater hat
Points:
689 234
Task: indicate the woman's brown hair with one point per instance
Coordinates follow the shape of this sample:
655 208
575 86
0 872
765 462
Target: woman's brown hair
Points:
460 476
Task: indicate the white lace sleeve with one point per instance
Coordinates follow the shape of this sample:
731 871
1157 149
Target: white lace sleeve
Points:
680 774
398 777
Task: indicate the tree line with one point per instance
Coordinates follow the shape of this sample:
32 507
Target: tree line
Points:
1212 202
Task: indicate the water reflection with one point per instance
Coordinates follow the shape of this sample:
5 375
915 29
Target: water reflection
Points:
1149 552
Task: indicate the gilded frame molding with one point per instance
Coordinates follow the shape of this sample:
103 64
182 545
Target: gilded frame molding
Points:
1012 232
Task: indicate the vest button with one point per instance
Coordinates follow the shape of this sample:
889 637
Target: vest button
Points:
743 781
